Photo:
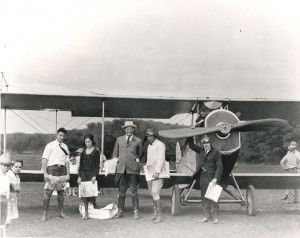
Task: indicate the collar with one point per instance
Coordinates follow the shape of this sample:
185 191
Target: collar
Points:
153 142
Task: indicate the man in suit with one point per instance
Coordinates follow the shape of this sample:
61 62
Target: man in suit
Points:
211 168
128 149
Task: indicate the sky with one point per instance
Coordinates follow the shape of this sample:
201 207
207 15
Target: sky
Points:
179 48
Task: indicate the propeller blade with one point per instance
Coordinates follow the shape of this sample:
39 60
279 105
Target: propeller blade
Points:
257 125
225 128
188 132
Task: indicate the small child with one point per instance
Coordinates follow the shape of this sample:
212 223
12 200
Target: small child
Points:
74 164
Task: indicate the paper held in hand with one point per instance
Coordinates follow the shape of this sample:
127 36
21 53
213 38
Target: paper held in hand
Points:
88 189
150 170
213 192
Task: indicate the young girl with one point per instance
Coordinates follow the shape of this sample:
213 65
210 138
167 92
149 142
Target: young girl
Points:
14 178
89 168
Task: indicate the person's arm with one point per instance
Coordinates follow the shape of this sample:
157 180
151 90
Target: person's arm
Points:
45 157
219 170
190 142
68 169
80 168
161 155
97 165
44 168
282 163
140 150
15 187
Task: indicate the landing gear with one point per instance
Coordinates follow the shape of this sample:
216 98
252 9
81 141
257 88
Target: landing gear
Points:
175 207
251 201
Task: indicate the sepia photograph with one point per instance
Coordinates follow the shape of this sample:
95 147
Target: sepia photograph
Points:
150 118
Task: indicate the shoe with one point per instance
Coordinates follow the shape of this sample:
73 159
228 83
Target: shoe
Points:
216 221
62 215
119 215
44 217
205 220
136 215
285 197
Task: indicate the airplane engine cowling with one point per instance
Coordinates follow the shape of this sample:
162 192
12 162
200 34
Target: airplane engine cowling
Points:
225 143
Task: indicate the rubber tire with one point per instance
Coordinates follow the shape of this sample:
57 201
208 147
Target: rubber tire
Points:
251 201
175 206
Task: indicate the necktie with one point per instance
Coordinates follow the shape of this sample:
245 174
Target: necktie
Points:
128 139
66 153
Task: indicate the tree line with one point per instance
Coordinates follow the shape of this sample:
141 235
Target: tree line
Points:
257 147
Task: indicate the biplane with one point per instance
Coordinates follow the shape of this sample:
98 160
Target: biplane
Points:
222 119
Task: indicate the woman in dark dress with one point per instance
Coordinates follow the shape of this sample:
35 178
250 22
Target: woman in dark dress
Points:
89 168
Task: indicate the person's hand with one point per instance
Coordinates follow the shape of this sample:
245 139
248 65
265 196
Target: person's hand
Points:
79 181
93 179
68 177
46 177
156 176
214 181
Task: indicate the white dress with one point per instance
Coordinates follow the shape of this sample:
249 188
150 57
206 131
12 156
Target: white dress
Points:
12 201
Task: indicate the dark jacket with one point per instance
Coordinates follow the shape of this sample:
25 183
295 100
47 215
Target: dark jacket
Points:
211 162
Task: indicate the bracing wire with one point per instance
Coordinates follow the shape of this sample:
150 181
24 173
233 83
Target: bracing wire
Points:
29 123
50 83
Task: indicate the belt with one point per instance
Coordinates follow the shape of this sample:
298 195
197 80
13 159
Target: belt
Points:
56 165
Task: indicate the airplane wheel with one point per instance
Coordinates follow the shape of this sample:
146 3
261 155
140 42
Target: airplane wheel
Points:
251 201
175 200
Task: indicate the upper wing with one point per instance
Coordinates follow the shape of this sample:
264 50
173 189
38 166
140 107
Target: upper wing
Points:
150 107
92 106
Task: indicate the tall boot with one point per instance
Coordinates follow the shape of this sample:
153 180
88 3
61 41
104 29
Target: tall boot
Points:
121 204
60 202
135 202
86 209
46 206
154 211
158 211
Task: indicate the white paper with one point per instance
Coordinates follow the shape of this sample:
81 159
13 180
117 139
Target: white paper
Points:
213 192
150 170
110 166
88 189
104 213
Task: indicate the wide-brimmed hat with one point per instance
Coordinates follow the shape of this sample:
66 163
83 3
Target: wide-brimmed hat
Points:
293 145
79 150
128 124
5 159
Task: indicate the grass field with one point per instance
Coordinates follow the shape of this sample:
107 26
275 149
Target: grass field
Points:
274 219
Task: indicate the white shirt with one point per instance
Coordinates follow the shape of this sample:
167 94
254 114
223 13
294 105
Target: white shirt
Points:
54 154
4 185
14 179
290 161
156 154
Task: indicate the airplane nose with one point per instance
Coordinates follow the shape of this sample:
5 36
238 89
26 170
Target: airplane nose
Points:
225 128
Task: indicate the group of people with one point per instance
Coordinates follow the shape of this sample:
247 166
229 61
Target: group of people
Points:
9 187
128 149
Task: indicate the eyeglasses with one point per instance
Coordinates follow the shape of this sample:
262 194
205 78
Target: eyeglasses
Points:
5 165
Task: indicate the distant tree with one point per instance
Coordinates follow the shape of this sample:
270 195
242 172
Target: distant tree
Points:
19 142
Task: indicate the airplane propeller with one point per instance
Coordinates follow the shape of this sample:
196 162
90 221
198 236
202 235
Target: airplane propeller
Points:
225 128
